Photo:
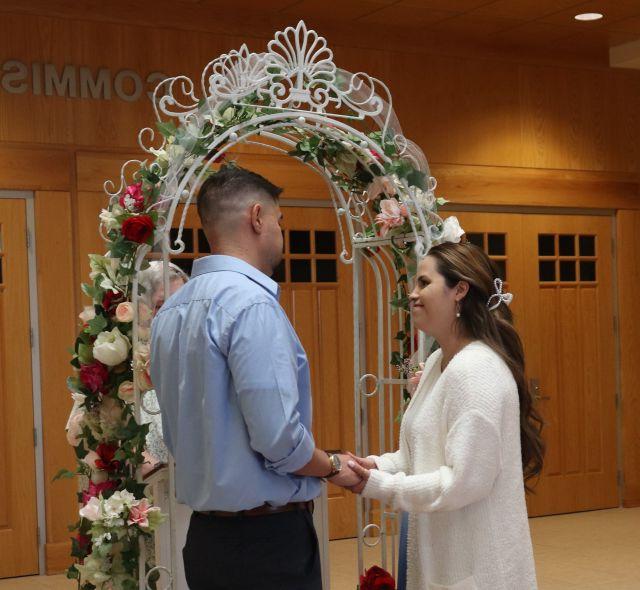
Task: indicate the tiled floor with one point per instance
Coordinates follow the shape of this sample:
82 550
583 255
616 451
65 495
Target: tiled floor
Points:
590 551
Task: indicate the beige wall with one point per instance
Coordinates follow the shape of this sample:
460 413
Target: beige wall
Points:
495 131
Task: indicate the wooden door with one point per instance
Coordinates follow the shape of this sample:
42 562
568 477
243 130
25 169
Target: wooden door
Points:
559 268
317 296
570 347
18 513
316 293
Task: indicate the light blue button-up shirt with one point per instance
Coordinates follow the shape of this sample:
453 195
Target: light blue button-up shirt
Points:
234 390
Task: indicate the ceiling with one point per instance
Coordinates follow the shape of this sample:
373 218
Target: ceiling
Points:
538 28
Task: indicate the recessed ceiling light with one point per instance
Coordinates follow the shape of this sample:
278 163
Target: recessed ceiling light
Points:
589 16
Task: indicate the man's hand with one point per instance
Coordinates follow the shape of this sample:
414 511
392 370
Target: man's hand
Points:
346 478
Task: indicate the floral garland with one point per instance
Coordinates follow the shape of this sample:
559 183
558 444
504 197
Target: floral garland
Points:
107 439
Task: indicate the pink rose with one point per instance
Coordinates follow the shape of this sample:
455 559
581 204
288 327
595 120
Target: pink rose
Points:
139 514
75 429
126 392
133 199
414 380
392 214
124 312
382 185
95 489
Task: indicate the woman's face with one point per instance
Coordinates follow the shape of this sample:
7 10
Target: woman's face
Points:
433 304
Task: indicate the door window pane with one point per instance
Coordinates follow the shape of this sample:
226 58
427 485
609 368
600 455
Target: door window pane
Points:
279 273
546 245
497 244
326 271
587 270
300 271
300 242
476 240
567 270
203 245
325 242
587 245
502 269
567 245
547 270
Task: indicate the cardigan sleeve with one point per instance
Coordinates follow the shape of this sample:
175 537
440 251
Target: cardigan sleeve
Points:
392 462
473 460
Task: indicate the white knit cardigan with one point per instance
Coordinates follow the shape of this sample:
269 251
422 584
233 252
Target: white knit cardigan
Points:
459 474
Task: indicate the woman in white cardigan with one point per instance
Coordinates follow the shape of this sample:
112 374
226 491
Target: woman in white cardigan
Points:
469 438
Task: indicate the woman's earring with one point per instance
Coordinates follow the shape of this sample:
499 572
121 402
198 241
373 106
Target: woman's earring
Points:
457 310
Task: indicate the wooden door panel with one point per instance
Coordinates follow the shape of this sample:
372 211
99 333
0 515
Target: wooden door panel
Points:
573 361
18 516
567 330
320 311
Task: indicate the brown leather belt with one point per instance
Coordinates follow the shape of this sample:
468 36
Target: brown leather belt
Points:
261 510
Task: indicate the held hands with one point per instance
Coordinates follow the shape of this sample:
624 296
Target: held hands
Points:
354 473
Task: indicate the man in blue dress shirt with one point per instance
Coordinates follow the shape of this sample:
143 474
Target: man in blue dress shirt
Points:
234 390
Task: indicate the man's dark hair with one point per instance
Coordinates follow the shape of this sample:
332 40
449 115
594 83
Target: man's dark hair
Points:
228 189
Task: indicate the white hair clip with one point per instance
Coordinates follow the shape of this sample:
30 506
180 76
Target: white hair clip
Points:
501 297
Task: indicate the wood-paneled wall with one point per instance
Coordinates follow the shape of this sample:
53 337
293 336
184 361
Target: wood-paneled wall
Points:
495 131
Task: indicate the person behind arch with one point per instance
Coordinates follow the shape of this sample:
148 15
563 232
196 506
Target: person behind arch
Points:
470 436
152 279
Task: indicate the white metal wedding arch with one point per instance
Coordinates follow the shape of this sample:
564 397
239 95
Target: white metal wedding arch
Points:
293 99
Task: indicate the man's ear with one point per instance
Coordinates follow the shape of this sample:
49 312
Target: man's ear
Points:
257 217
462 288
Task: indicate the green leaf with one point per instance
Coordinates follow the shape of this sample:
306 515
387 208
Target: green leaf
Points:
97 325
85 353
167 128
400 335
63 474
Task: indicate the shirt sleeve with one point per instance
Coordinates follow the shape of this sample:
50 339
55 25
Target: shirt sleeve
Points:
263 364
473 461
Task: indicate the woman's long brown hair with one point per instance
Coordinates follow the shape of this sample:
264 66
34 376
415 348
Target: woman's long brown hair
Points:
466 262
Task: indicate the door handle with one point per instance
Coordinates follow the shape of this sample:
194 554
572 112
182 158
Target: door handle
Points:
534 386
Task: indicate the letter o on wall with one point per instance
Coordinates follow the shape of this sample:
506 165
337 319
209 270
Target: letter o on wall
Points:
119 85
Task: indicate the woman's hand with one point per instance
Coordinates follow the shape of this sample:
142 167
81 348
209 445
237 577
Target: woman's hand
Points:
357 465
366 462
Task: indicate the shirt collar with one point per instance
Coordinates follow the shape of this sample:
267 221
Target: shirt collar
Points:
219 262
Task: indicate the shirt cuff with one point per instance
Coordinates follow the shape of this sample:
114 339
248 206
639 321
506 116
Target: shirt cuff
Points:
297 459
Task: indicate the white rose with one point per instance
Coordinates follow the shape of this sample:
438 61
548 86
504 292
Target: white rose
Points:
88 313
125 312
91 510
111 348
126 392
451 231
75 429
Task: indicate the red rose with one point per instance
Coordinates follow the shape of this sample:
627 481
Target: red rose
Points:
105 462
138 229
95 489
84 543
94 376
375 578
111 299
